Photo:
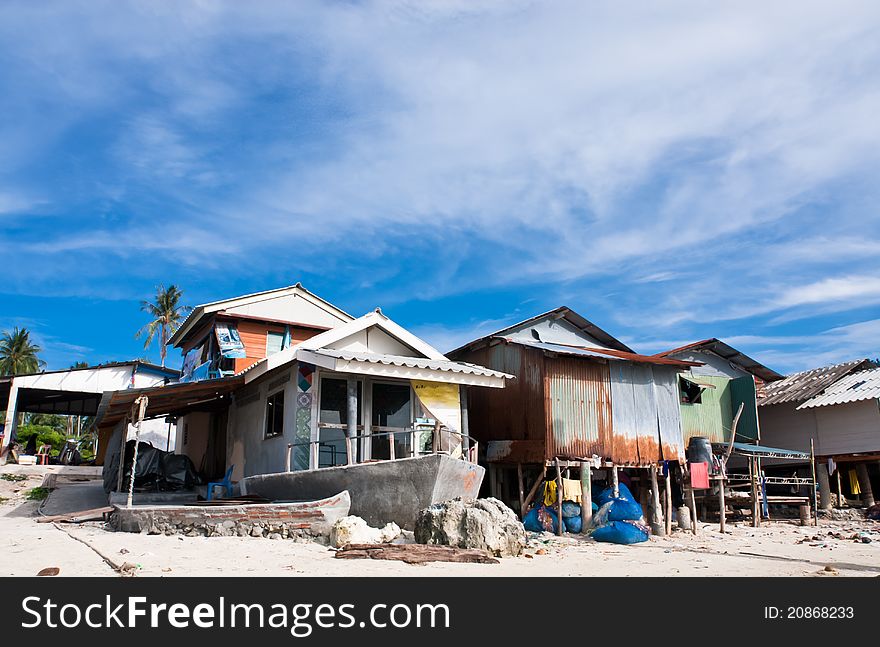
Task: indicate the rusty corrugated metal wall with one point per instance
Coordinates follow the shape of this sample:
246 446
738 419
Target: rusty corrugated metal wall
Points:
515 412
636 436
666 395
578 405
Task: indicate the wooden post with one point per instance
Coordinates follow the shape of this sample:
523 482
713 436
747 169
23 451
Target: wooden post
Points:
391 454
351 428
533 491
657 526
668 485
722 516
141 404
465 426
521 487
867 494
693 507
287 457
316 455
821 472
559 525
839 489
813 487
615 484
756 506
121 470
586 496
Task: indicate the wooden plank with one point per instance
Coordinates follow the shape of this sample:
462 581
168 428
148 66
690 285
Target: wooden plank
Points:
76 517
415 553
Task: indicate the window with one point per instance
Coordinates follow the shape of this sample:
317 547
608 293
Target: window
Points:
392 409
274 343
333 422
275 414
691 393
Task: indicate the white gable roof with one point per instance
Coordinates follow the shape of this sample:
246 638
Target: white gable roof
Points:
373 341
294 304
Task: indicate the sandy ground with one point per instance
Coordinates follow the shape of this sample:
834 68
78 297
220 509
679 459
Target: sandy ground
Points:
775 549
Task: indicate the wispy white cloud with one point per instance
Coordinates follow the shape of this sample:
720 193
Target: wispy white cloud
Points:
677 169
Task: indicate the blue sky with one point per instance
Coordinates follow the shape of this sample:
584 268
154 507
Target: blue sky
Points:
672 171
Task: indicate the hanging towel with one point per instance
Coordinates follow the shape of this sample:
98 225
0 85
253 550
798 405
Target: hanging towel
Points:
572 491
549 492
832 466
854 482
699 476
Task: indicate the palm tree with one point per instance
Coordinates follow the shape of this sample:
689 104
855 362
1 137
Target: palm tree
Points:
17 354
167 313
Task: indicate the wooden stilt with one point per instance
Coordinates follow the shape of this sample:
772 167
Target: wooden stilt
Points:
692 504
559 524
668 484
519 482
813 489
615 484
657 526
493 481
839 489
586 496
722 512
533 491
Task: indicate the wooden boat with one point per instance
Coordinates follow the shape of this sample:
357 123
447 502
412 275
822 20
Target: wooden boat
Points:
314 517
381 491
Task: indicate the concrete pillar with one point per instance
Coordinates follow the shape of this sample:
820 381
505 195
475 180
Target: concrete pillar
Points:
351 430
865 485
824 485
11 417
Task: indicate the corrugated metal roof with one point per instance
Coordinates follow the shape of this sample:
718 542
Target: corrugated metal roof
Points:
562 312
412 362
799 387
731 355
605 353
861 385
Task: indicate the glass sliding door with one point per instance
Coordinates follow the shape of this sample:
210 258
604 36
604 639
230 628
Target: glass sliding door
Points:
333 422
391 412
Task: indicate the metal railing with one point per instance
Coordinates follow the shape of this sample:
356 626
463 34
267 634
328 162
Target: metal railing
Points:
422 442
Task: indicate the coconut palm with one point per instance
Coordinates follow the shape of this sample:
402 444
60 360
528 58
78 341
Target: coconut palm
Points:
18 354
167 313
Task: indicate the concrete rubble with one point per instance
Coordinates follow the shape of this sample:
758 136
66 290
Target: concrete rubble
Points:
486 524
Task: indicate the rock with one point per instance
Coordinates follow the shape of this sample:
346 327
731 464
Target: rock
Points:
486 524
354 530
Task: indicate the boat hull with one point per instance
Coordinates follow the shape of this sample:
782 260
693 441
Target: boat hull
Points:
381 492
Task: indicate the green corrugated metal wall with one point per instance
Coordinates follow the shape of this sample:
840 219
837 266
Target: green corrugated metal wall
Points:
713 417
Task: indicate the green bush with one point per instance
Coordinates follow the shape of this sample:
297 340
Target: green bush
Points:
45 436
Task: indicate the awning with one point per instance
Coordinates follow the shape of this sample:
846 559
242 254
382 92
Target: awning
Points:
167 400
702 385
760 451
399 366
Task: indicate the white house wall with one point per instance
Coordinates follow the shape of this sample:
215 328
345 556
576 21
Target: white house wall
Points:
374 340
848 428
290 307
713 365
558 331
246 446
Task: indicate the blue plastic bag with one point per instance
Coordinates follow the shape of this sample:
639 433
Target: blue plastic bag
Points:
573 524
570 509
620 532
607 494
623 510
535 518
